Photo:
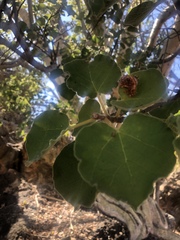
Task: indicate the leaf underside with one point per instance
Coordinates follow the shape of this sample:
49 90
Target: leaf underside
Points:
89 79
139 13
47 127
124 163
91 106
68 181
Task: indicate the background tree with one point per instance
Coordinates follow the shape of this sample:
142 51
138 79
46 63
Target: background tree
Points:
22 94
100 43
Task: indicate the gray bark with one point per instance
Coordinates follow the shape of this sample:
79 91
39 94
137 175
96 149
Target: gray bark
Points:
148 218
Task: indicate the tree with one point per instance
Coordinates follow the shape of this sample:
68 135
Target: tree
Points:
22 98
128 127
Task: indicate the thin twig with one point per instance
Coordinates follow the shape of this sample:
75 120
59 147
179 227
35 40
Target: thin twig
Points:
36 200
49 197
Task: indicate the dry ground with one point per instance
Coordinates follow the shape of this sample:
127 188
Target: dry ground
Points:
31 209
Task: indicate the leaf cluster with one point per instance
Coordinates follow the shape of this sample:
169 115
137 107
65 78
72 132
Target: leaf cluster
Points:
121 144
119 158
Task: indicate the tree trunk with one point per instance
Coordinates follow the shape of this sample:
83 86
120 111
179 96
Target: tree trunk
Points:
148 218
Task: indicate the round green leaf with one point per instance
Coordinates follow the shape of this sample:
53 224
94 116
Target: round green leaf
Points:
68 181
65 92
124 163
88 79
46 128
151 88
139 13
91 106
79 80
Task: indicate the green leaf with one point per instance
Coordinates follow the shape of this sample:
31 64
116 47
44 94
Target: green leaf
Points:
88 79
46 128
117 16
151 88
68 181
91 106
65 92
170 107
139 13
41 21
41 6
53 33
56 73
124 163
96 7
23 26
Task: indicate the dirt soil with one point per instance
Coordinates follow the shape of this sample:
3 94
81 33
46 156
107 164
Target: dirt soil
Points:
31 209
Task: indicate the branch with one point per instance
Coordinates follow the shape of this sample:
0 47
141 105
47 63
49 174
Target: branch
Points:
166 14
29 2
20 38
14 63
2 7
171 47
82 20
149 218
27 56
14 28
167 59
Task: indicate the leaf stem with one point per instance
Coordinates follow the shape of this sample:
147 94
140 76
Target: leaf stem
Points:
72 127
102 104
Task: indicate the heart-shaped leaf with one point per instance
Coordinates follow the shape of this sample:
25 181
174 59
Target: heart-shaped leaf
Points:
89 79
167 108
151 87
69 182
139 13
124 163
91 106
65 92
46 128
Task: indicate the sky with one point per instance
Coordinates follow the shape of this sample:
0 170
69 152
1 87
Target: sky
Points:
176 65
